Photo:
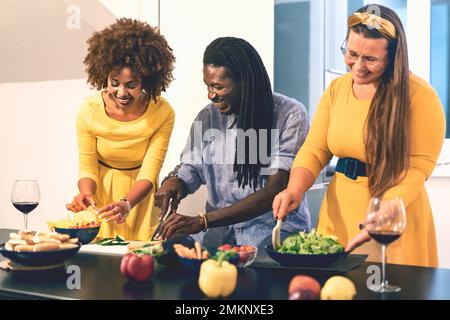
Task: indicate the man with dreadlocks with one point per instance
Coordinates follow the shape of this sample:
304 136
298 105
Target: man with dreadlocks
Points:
258 132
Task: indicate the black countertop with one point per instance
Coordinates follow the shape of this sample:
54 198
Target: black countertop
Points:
101 279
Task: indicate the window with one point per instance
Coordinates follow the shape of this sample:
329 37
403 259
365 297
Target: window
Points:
292 49
308 36
298 67
440 66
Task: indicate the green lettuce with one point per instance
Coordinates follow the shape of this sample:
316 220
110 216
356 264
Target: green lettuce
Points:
311 243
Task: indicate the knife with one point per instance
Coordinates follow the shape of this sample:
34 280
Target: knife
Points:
157 232
276 241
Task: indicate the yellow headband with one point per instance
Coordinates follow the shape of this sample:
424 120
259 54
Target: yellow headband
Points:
373 21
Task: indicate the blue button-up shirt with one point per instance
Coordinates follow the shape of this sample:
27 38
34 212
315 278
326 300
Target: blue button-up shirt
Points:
208 158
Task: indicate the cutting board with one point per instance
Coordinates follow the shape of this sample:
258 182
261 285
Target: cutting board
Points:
109 250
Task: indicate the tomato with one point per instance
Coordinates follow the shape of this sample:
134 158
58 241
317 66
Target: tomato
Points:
244 256
224 247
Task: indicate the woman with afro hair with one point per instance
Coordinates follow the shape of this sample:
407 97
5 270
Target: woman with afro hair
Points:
124 128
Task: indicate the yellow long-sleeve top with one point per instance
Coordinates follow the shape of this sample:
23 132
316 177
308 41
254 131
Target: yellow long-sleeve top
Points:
338 129
123 145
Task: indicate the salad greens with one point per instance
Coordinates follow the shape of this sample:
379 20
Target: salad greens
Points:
311 243
225 255
155 250
117 241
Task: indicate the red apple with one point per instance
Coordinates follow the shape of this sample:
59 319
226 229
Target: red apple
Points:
304 288
137 267
124 265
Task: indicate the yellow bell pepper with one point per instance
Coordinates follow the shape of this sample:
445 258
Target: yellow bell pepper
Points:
217 278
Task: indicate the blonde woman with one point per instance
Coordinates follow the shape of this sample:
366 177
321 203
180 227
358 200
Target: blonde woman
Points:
387 126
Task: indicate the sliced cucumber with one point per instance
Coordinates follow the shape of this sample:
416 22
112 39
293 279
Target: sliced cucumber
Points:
106 242
120 238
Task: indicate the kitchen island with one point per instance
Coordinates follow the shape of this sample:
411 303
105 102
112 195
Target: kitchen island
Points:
100 278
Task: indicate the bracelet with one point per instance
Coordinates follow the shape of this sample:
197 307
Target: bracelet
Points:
128 204
203 221
173 174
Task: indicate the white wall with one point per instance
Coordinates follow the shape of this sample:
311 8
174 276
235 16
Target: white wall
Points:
37 126
38 141
189 26
438 189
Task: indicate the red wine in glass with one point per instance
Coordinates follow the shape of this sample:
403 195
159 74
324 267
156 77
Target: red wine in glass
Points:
25 207
385 237
386 221
25 196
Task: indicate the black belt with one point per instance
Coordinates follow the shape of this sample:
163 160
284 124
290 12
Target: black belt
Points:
352 168
123 169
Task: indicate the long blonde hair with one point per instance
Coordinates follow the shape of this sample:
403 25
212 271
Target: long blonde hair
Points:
387 125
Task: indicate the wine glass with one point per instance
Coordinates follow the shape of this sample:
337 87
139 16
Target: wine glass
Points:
386 221
25 197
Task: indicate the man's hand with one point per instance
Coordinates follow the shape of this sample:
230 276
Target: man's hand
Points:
179 224
171 192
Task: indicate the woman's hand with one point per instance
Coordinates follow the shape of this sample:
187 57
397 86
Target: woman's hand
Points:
284 202
357 241
383 215
116 211
179 224
81 202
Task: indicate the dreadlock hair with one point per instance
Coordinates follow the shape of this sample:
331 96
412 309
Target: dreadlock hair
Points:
255 111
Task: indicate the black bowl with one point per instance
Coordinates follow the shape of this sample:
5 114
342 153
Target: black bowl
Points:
303 260
84 235
191 266
169 257
41 258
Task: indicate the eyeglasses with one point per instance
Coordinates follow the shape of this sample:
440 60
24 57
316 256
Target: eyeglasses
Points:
353 56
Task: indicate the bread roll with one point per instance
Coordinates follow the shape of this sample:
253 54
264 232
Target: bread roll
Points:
45 247
16 242
24 248
59 236
65 246
23 233
41 234
45 240
13 235
73 240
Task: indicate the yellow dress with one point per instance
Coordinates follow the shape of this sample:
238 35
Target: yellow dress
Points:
337 129
142 142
